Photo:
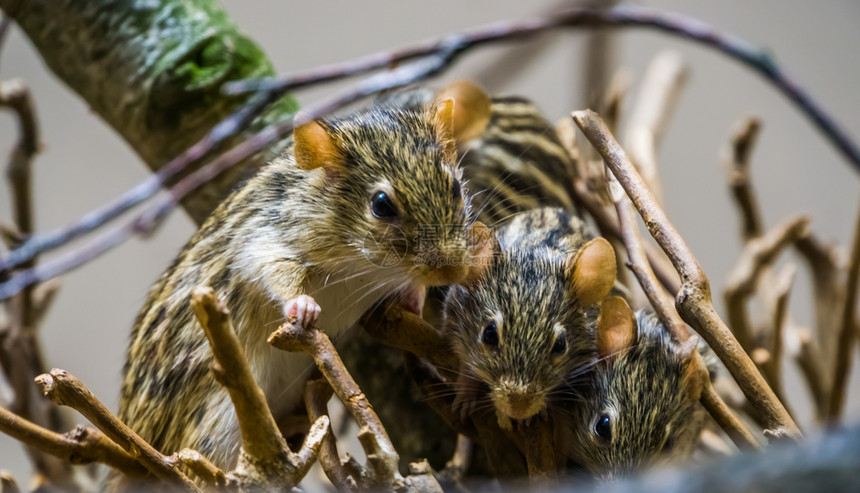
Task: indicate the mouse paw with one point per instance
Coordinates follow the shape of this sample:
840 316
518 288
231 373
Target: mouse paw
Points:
304 310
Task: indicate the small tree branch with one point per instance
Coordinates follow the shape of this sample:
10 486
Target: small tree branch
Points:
758 255
782 290
317 394
382 458
738 163
64 389
201 466
654 104
847 331
80 446
7 482
662 303
694 299
265 458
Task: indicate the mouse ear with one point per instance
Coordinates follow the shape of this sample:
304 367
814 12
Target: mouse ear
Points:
693 373
316 148
443 120
616 328
471 109
483 244
590 273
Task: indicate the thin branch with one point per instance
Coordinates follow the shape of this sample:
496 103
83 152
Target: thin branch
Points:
694 299
738 164
755 58
662 303
64 389
381 455
7 482
620 16
538 444
201 466
758 255
80 446
458 464
265 459
847 331
772 369
739 433
317 394
655 103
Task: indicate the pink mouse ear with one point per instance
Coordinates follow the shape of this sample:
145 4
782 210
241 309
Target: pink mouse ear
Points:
590 273
472 108
315 148
616 328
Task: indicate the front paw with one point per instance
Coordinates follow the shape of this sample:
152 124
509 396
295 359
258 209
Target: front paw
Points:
303 310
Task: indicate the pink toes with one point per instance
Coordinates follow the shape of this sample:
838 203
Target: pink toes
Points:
304 309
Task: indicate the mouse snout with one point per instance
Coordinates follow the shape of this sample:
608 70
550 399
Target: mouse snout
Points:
518 401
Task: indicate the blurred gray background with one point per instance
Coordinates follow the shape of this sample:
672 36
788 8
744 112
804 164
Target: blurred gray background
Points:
85 163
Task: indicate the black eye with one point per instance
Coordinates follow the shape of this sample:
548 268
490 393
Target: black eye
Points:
455 189
382 207
603 427
560 344
490 336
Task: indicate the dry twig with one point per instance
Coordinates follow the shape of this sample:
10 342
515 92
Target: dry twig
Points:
758 254
694 299
655 103
317 394
847 331
80 446
662 303
64 389
436 55
265 458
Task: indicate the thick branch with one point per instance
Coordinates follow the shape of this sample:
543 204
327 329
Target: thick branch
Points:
694 299
64 389
156 82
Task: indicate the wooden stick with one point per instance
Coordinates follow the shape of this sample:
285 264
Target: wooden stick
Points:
80 446
847 332
64 389
317 394
266 459
694 299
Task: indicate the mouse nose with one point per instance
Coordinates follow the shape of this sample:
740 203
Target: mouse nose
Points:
518 401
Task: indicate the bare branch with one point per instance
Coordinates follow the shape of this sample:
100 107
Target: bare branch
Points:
80 446
738 163
758 255
782 290
201 466
7 482
662 303
265 458
317 394
694 299
847 331
64 389
540 451
381 456
655 103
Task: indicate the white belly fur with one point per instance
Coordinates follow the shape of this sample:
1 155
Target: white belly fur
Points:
282 374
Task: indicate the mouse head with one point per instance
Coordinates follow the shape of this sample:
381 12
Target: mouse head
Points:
640 406
523 325
392 189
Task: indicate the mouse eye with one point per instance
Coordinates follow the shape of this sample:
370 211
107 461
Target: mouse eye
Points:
490 335
603 427
455 189
560 345
382 207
